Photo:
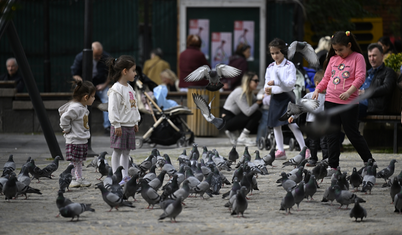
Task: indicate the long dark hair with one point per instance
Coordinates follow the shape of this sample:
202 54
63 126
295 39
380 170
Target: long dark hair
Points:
342 38
387 42
82 89
116 65
279 43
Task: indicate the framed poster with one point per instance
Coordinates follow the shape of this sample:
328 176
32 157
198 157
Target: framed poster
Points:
200 27
244 33
221 48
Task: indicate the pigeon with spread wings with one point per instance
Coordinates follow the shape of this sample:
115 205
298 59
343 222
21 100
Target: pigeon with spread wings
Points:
214 76
298 109
306 50
206 111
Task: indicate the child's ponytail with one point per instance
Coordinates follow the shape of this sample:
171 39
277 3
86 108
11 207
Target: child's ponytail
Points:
117 65
342 38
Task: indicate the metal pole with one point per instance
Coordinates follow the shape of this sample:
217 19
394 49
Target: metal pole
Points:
87 58
46 50
33 91
146 50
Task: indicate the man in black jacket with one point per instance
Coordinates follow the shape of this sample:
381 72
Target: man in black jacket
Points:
99 76
380 78
13 74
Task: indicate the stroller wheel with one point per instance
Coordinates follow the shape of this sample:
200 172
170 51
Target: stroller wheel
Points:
139 142
261 143
292 144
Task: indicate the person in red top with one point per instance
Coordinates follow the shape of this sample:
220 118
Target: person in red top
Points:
191 59
345 72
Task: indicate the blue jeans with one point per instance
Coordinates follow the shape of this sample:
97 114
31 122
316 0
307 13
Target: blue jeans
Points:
104 99
263 126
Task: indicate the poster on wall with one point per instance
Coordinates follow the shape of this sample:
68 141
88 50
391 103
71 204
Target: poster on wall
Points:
221 48
244 33
200 27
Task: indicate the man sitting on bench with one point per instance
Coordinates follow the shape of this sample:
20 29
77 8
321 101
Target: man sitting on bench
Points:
379 77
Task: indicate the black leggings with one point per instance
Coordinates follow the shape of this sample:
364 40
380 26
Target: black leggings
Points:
241 121
348 119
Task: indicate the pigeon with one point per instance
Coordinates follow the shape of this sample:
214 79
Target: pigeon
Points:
75 210
103 168
329 194
236 186
295 110
260 163
213 75
9 166
355 179
287 202
10 189
216 182
368 180
287 184
395 189
298 193
108 181
169 188
94 163
149 194
133 171
240 203
297 159
198 172
36 172
24 189
269 158
61 201
398 202
113 199
52 167
205 170
194 153
182 192
23 177
233 154
158 181
388 171
130 188
306 50
172 210
343 182
345 197
205 109
204 187
147 164
358 211
320 170
168 167
296 175
151 174
400 178
117 175
65 179
310 188
221 162
102 155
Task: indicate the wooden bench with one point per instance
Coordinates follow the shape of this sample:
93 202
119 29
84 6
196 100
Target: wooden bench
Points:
394 119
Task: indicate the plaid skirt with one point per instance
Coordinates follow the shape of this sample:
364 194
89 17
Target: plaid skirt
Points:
76 152
125 141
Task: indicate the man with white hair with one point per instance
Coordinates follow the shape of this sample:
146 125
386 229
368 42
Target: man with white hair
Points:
13 74
99 76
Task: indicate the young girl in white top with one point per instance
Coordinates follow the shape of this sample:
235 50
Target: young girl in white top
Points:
123 111
74 122
280 78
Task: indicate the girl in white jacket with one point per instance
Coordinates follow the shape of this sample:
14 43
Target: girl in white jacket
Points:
123 111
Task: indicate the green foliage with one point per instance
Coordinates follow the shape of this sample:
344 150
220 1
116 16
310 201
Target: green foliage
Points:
394 61
328 16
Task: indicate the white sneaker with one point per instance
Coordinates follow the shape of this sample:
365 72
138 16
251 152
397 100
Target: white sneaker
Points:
246 141
74 184
83 182
231 136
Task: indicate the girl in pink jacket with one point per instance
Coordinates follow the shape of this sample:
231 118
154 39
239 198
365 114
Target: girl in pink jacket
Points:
345 70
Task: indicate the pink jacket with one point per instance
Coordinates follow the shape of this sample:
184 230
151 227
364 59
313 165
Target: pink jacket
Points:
341 74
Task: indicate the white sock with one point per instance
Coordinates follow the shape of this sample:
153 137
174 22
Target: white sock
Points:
124 162
116 159
279 137
297 133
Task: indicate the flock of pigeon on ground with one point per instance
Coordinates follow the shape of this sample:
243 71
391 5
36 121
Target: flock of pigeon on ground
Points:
201 174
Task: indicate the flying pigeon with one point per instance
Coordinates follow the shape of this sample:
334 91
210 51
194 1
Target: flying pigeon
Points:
205 109
358 211
306 50
298 109
213 75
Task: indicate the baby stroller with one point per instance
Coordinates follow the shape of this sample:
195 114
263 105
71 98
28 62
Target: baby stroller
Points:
169 127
